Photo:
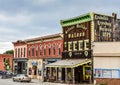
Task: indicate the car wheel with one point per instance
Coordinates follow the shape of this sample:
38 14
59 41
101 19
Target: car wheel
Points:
19 80
13 79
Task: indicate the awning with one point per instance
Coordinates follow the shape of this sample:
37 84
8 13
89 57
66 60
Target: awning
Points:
69 63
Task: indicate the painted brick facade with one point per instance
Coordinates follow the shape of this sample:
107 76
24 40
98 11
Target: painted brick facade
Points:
2 60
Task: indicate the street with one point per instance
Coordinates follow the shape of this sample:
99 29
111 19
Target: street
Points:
10 82
33 82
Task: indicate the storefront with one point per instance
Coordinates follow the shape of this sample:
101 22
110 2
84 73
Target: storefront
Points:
70 71
35 68
20 65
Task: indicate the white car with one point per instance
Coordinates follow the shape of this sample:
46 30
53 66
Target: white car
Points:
21 78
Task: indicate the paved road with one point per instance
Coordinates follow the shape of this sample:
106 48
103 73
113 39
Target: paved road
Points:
33 82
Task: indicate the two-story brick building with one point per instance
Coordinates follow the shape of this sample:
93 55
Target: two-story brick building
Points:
31 55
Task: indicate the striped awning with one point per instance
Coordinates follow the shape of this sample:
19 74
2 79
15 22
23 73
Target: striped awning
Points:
69 63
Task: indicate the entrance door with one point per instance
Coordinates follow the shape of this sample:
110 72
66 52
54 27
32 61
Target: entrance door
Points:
34 71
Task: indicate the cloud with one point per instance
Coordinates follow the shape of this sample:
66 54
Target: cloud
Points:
18 19
5 46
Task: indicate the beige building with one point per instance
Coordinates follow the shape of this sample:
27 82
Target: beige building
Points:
33 65
106 61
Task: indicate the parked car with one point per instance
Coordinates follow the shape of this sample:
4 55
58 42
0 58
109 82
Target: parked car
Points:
21 78
6 75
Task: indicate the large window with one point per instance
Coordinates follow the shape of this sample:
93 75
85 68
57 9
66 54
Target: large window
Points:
18 52
15 52
24 52
44 49
59 49
36 51
54 49
21 53
49 50
32 51
28 51
40 50
106 73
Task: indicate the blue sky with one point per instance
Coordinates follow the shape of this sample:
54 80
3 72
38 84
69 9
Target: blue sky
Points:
24 19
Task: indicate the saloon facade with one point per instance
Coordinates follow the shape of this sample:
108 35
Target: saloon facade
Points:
81 35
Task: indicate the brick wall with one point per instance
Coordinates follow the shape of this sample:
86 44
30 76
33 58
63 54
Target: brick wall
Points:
6 56
107 81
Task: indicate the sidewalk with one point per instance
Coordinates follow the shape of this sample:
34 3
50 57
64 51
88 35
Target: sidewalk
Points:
49 83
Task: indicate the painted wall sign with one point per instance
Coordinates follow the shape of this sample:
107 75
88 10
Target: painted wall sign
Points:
103 27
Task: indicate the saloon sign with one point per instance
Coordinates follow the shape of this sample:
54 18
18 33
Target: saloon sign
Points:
77 41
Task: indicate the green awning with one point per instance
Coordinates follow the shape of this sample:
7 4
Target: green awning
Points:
69 63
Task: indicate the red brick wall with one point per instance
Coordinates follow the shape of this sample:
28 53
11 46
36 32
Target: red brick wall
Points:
35 45
2 56
108 81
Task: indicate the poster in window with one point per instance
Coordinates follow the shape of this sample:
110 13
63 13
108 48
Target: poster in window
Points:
115 74
106 73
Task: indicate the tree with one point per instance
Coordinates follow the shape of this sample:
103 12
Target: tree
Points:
9 52
7 64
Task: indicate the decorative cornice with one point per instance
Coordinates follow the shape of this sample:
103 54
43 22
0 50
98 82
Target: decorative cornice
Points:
79 19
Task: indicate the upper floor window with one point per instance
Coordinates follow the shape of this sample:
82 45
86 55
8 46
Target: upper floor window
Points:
15 52
59 48
18 52
40 50
45 50
21 52
49 50
54 46
36 51
32 51
28 51
24 52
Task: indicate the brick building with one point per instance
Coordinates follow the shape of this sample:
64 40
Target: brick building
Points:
6 59
31 55
20 57
42 51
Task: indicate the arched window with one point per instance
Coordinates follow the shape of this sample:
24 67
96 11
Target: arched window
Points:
28 51
59 49
18 52
49 49
44 49
54 49
36 51
24 52
32 51
40 50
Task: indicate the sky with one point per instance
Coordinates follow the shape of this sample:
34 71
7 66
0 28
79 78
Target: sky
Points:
25 19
